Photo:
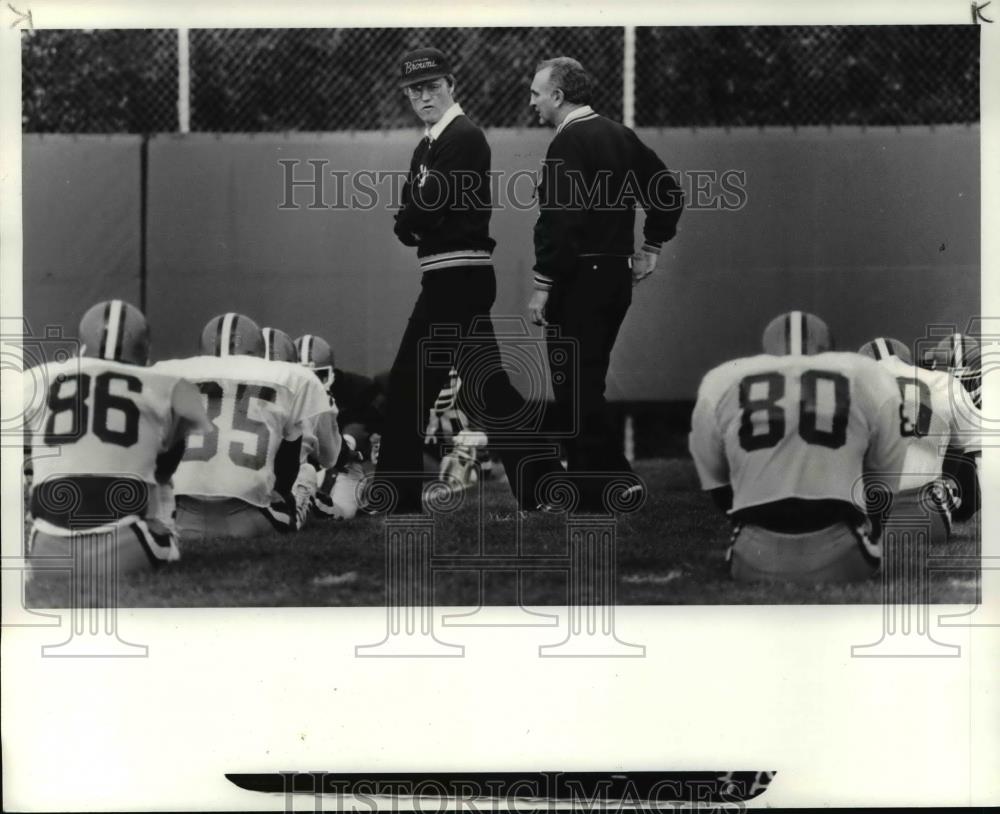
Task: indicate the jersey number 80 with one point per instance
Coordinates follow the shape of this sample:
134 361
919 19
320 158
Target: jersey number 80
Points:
831 403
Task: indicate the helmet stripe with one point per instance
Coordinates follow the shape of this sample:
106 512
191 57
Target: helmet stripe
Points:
226 334
114 328
305 352
883 349
218 337
120 344
957 351
234 334
104 329
796 330
268 343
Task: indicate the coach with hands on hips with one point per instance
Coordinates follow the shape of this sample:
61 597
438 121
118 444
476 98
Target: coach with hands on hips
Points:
445 213
594 173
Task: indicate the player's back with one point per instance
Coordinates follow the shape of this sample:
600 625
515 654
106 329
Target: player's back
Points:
101 417
96 440
936 413
253 404
795 426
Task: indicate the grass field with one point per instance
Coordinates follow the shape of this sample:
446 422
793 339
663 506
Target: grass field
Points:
670 552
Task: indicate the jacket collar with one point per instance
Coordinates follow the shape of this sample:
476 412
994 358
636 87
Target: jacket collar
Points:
434 132
579 114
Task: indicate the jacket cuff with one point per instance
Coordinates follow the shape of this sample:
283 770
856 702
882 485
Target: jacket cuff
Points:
652 246
542 282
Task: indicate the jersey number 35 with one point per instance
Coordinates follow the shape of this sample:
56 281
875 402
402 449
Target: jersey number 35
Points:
237 450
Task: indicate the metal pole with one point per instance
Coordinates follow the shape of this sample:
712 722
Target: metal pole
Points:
628 78
143 219
183 81
629 441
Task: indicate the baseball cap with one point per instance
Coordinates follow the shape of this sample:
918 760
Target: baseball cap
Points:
422 65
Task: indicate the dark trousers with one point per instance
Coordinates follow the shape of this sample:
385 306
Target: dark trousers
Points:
450 325
588 307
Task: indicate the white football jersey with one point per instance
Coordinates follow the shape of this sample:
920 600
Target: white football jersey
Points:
778 427
253 404
936 413
100 417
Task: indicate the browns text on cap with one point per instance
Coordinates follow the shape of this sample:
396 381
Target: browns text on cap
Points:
422 65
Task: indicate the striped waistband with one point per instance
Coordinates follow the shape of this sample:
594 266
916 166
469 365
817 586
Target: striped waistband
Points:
469 257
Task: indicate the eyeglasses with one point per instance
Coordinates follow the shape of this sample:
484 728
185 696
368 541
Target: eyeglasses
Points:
430 88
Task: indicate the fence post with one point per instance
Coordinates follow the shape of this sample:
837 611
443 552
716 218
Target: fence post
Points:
143 220
628 78
183 80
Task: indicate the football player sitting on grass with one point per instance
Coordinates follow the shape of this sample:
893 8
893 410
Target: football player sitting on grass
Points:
934 416
243 477
783 439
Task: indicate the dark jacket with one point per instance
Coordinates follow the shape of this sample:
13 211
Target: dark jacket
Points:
446 200
595 172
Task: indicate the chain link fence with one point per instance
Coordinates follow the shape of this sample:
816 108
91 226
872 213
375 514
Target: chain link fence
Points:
807 75
347 79
106 81
275 80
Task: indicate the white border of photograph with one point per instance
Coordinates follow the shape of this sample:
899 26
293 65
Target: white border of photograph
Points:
263 690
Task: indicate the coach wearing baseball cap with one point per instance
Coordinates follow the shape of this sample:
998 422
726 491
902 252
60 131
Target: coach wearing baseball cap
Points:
445 213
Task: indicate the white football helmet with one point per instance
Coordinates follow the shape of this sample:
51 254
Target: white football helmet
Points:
797 333
315 353
232 334
885 347
116 331
278 345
